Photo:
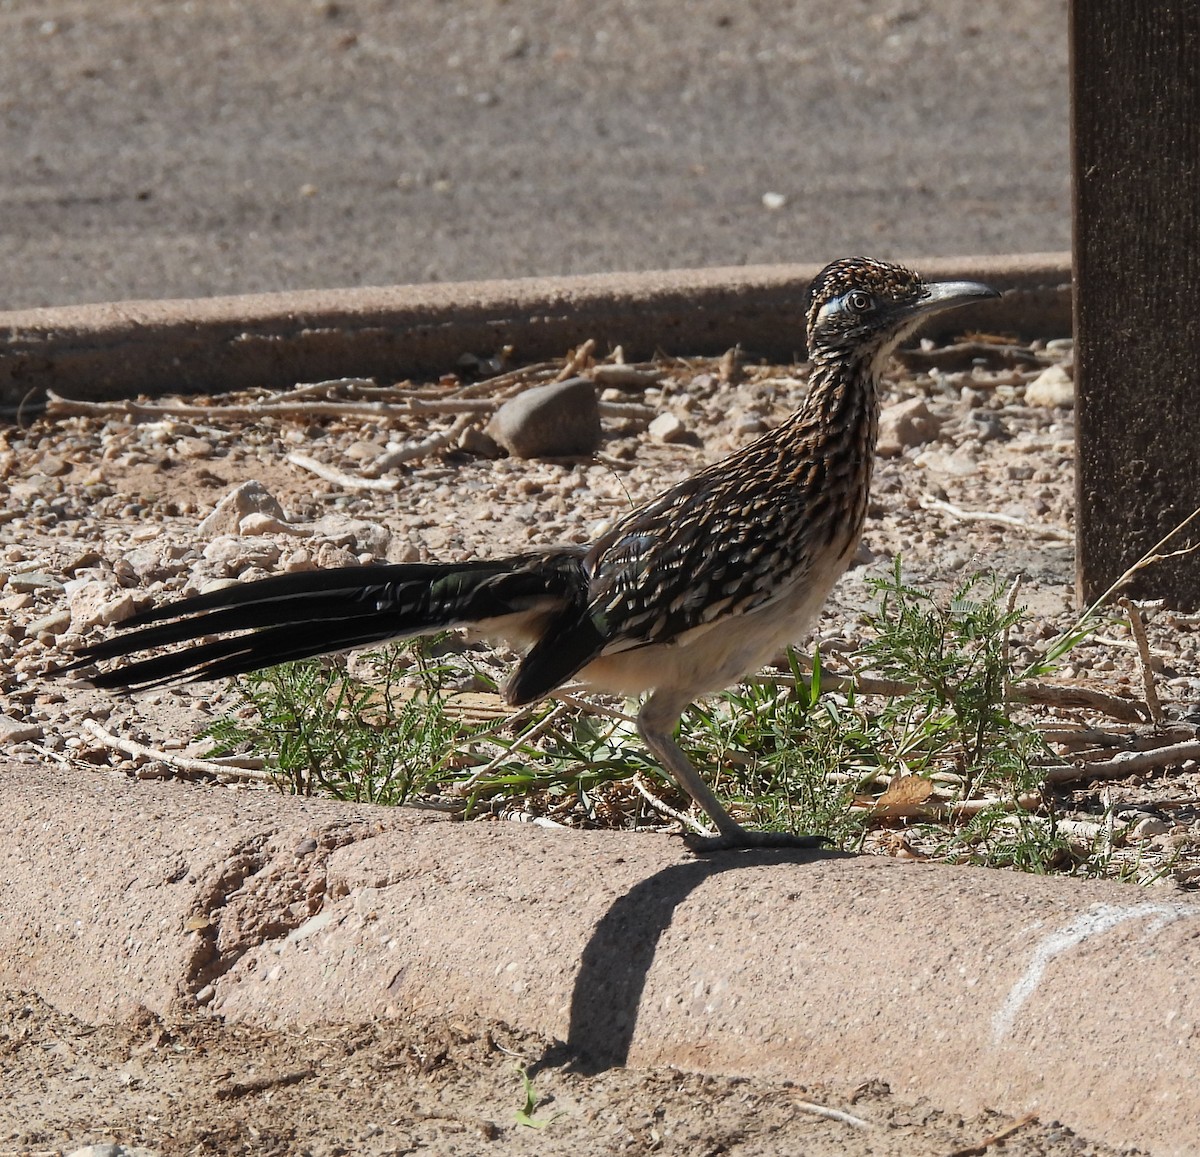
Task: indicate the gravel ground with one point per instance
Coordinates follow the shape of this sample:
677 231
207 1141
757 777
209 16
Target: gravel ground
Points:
109 509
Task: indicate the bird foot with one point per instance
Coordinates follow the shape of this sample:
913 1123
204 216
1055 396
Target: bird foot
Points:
742 838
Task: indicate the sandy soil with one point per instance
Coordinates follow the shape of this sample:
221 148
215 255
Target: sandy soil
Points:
200 1087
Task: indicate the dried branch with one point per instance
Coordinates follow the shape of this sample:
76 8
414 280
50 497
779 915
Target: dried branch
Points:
833 1114
1043 530
59 407
1138 630
186 763
411 451
665 809
981 1149
1126 763
339 478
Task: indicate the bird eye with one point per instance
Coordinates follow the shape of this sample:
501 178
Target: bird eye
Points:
860 301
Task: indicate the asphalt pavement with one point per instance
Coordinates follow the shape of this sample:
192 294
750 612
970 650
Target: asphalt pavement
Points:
162 149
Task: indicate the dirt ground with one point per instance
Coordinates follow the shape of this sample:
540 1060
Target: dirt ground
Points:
199 1087
107 509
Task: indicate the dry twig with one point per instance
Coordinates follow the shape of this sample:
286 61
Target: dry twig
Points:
980 1150
340 478
1044 530
1126 763
411 451
665 809
833 1114
59 407
1138 630
186 763
468 785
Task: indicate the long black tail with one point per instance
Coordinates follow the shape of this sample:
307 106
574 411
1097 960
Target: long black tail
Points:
295 616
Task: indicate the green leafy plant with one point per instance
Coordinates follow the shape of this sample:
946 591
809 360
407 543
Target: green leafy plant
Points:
953 655
530 1102
777 748
322 730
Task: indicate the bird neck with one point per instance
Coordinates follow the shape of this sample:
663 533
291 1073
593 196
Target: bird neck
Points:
842 403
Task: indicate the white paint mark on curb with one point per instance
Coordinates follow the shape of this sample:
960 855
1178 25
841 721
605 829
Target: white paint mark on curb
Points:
1101 918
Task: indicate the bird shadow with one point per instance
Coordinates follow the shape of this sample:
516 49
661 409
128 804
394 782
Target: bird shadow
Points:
617 958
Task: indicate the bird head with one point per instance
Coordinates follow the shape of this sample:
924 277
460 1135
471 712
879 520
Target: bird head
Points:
859 307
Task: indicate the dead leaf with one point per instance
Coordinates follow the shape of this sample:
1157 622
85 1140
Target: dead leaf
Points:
905 796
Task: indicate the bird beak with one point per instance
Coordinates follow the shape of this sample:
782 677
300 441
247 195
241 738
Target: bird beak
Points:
942 295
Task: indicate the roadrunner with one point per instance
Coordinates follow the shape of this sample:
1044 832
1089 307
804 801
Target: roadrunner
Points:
681 598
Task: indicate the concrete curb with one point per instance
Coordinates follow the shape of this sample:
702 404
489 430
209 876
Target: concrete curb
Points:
275 340
971 987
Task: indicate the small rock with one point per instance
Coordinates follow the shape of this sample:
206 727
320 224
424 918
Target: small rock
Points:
667 428
627 377
1052 387
749 426
354 534
110 1150
233 555
33 580
296 560
1147 827
774 200
960 464
54 466
93 602
53 624
143 561
363 451
251 497
475 441
17 731
986 427
907 423
196 448
329 555
258 523
552 421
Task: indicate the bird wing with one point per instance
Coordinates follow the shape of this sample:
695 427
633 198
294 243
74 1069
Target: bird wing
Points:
675 567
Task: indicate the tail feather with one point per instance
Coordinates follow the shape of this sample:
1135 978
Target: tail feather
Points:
296 616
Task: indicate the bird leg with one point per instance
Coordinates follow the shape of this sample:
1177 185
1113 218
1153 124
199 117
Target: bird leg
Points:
656 723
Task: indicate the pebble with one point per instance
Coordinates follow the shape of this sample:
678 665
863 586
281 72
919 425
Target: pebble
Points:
233 554
907 423
1052 387
93 602
250 497
478 442
53 624
627 377
959 464
258 523
1147 827
113 1150
33 580
668 428
17 730
561 419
